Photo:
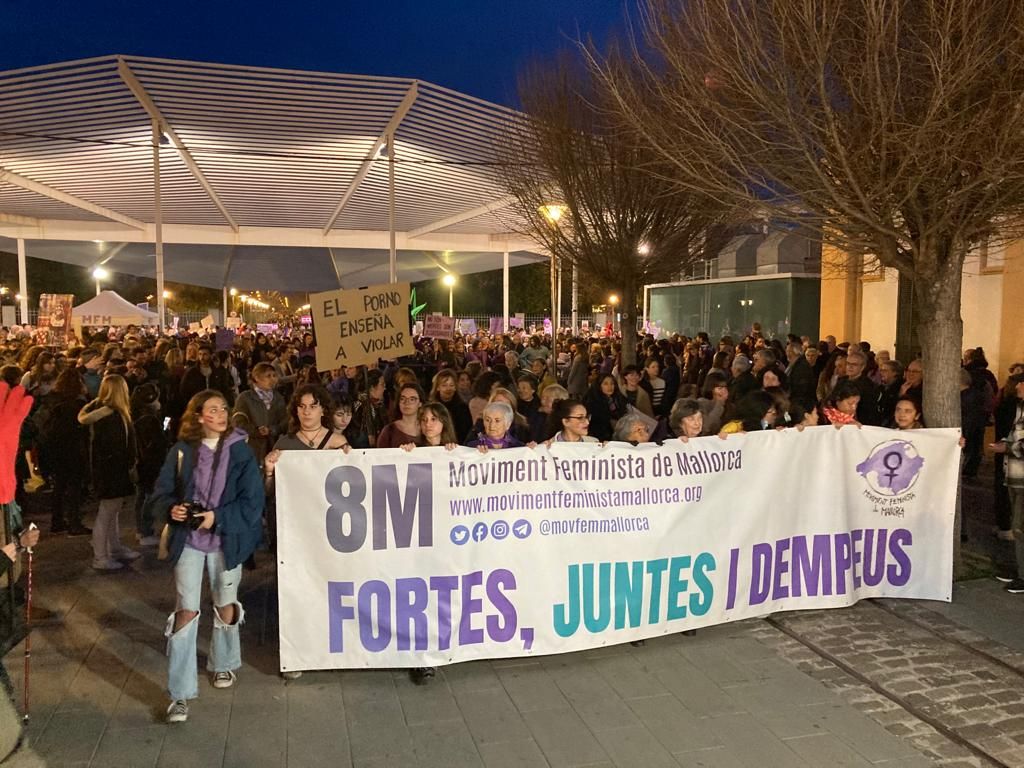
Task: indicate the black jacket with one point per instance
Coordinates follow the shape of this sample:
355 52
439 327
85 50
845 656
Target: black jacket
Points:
802 383
112 450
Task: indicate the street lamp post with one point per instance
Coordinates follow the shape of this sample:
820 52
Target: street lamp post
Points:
614 301
450 281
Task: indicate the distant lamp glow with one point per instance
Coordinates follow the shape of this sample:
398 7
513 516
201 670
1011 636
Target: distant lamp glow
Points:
643 249
613 299
3 290
448 280
233 292
100 273
552 212
243 298
167 294
18 296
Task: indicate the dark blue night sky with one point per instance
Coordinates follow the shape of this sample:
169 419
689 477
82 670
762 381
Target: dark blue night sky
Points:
475 47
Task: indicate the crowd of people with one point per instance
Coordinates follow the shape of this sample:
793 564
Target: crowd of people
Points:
187 436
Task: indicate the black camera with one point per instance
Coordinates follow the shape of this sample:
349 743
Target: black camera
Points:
194 514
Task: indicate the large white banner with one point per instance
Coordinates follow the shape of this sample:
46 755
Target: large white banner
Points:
395 559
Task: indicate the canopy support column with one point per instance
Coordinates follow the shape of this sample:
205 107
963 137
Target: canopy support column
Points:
647 296
558 305
158 231
393 257
575 299
504 289
22 282
224 311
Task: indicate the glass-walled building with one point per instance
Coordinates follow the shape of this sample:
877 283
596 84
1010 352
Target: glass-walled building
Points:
729 307
772 279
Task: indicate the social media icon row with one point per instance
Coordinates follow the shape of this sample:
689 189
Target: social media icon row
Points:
498 530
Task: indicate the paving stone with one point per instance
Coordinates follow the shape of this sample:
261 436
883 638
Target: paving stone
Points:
564 737
719 757
71 737
377 729
531 688
523 753
634 746
317 728
431 703
491 716
754 743
826 749
471 676
130 748
629 676
675 727
444 745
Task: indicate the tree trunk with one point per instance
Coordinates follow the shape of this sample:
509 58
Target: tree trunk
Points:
941 332
628 325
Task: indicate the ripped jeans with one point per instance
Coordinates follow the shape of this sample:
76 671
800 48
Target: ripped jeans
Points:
225 648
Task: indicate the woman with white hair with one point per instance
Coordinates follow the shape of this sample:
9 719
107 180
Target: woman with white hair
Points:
632 428
497 420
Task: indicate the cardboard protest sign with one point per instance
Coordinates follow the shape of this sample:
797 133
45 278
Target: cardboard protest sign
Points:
438 327
360 326
467 326
496 325
207 322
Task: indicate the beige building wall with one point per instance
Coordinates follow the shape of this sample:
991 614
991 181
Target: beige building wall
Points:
1011 320
878 310
858 306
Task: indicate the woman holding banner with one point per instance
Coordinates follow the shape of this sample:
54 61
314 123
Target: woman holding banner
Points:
406 428
569 423
436 429
497 422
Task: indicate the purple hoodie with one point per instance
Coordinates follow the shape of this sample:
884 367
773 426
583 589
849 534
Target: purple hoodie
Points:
207 490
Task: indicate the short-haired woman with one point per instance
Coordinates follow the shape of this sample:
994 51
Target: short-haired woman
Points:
212 468
497 422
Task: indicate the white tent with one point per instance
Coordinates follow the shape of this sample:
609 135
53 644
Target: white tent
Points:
110 309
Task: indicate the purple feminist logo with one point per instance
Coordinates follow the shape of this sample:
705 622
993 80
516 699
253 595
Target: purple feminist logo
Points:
891 468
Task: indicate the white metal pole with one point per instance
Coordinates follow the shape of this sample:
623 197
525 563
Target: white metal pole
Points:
393 259
158 226
22 282
558 311
97 286
224 316
646 299
450 312
504 289
575 298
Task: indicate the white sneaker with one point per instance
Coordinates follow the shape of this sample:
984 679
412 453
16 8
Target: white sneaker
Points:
107 565
127 554
224 679
291 674
148 541
178 711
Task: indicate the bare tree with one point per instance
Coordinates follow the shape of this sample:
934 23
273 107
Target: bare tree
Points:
619 224
892 127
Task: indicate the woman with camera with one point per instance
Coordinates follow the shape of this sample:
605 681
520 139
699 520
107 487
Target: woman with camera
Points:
211 486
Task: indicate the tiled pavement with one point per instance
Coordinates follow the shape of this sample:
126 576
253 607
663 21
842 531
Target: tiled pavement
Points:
739 695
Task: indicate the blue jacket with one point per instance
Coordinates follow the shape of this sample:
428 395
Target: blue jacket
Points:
240 511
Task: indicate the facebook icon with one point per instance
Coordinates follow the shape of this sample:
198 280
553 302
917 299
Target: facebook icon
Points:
479 531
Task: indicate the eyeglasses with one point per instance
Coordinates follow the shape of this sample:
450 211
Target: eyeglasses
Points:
581 418
408 400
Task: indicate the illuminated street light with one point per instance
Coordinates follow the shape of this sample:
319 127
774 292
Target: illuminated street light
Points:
552 212
450 281
99 274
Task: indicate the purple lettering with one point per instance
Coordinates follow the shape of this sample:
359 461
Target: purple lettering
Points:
734 561
369 590
338 612
501 627
760 561
856 535
843 561
899 573
470 606
444 586
411 608
874 565
813 571
780 591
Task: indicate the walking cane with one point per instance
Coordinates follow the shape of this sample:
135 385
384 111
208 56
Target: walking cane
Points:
28 623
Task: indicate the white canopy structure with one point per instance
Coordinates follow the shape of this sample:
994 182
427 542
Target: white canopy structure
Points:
221 175
108 308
